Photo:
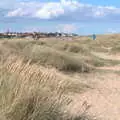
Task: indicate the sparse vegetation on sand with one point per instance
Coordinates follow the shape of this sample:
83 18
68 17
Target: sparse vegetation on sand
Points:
29 92
39 80
47 56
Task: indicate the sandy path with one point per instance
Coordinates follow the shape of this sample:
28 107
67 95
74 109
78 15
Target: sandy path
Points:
103 101
113 68
106 56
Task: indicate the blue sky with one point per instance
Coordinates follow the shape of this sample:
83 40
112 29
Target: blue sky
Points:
78 16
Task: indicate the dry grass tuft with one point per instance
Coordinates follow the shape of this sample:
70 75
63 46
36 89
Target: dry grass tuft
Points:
45 55
52 58
29 92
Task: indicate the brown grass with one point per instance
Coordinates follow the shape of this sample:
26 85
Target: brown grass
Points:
29 92
46 56
37 78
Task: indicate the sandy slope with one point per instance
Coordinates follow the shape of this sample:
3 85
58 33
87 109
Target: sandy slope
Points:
113 68
106 56
102 102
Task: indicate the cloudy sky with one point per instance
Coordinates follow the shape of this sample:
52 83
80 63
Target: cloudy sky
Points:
78 16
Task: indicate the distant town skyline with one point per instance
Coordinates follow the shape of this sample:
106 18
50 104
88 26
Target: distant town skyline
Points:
71 16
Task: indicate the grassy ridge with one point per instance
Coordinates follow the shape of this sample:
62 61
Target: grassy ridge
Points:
29 92
71 56
45 55
32 86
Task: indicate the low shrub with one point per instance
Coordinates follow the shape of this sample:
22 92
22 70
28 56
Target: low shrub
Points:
50 57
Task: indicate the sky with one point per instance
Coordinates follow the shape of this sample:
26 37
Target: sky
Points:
71 16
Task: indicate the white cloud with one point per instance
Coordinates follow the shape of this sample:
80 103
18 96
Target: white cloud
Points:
67 28
49 10
15 12
24 9
64 9
111 30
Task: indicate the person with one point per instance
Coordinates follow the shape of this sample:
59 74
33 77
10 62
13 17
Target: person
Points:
94 37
